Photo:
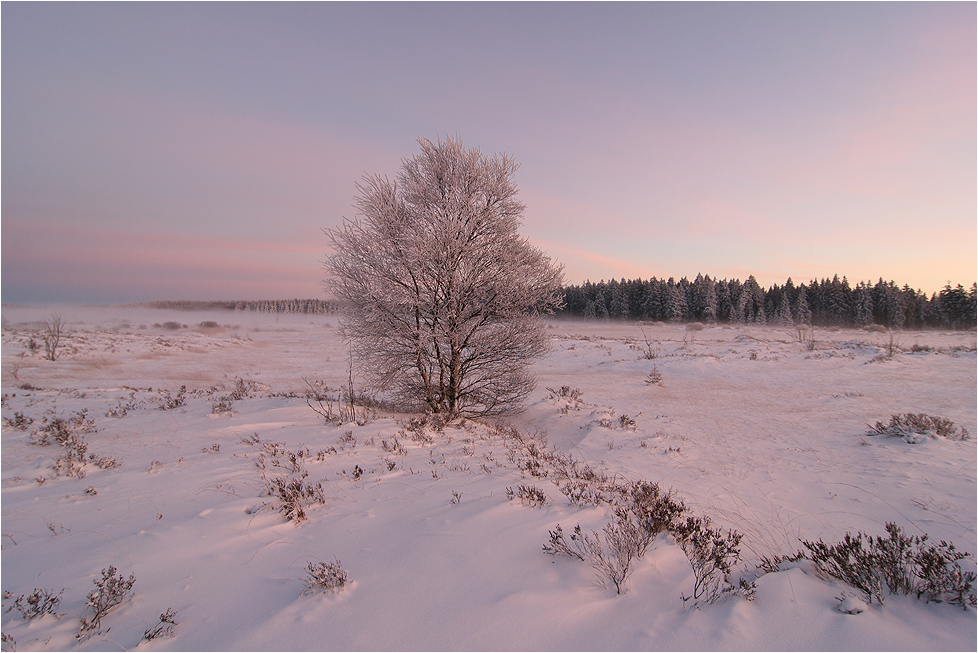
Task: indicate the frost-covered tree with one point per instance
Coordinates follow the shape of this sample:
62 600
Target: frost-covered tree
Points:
724 302
443 297
601 306
752 301
802 314
704 299
618 307
676 309
864 305
739 314
654 304
957 306
836 300
783 315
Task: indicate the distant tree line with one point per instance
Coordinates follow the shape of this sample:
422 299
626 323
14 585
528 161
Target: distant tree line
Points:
821 303
309 306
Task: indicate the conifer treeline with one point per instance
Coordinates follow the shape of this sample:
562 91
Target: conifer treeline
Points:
822 303
310 306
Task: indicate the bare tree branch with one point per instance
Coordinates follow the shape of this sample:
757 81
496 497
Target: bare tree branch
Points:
445 298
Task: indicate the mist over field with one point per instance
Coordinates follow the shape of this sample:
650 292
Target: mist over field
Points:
189 421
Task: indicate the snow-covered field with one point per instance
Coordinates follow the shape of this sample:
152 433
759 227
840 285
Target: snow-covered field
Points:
762 432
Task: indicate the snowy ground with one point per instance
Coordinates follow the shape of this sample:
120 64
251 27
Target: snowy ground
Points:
749 426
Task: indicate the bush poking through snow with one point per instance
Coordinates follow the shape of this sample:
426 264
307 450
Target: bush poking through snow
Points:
292 490
328 403
559 546
393 446
568 398
110 591
163 628
897 564
122 408
104 462
294 494
37 603
170 402
325 577
713 555
54 328
565 391
912 427
19 422
654 377
651 351
657 511
624 540
529 495
649 512
72 462
56 429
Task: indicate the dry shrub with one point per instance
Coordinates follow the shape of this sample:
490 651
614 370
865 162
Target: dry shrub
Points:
912 427
643 513
110 591
325 577
36 604
897 564
294 494
528 495
163 628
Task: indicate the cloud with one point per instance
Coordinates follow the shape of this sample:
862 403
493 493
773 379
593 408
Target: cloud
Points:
188 161
85 264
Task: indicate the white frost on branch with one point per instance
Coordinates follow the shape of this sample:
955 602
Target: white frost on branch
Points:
444 296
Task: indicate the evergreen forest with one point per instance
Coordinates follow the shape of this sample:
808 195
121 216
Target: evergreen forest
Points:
307 306
829 302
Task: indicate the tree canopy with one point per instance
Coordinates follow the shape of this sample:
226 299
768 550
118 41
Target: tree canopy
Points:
443 297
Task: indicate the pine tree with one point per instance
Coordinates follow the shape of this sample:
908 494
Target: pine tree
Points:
676 308
590 310
783 317
897 317
618 307
600 305
803 314
724 302
704 299
971 312
652 303
864 305
956 306
837 306
753 297
740 311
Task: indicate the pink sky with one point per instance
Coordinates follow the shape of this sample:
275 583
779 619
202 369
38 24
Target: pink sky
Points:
198 150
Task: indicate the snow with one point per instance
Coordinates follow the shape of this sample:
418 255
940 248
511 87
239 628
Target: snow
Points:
749 426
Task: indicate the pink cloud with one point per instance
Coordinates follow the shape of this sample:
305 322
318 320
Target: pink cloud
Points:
232 157
581 265
146 265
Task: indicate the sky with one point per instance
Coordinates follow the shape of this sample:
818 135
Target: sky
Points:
199 150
